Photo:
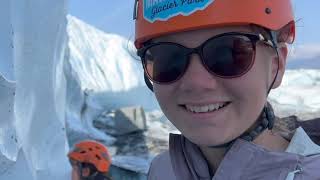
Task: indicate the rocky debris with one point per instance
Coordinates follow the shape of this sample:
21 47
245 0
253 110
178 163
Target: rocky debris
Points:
135 151
146 144
140 144
122 121
286 126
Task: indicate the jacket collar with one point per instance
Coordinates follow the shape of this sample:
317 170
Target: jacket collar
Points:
302 144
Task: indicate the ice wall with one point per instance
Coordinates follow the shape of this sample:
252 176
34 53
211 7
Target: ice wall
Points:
32 47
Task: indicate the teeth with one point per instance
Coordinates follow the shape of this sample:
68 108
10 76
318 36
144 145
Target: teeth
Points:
206 108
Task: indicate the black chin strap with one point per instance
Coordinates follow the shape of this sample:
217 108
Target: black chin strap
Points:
265 121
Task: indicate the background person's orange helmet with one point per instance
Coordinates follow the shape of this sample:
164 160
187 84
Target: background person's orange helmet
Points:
91 152
159 17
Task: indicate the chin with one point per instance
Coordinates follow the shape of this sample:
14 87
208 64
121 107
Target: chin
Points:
208 140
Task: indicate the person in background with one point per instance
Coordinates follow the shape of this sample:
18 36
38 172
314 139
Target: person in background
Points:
90 160
211 65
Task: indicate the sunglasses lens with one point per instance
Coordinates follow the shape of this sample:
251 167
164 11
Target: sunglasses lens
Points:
165 62
228 56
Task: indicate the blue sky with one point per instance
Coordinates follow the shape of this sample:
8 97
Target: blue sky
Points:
116 17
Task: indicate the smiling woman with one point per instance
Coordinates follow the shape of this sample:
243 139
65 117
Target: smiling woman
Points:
211 67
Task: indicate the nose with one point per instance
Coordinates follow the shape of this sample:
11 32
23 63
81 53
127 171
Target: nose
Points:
197 76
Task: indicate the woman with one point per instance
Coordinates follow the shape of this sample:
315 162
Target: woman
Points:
211 65
90 160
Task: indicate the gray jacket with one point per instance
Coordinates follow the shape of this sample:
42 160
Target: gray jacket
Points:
244 160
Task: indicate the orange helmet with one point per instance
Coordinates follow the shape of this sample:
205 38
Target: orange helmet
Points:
91 152
159 17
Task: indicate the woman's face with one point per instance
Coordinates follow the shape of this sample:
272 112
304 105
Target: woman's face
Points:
198 89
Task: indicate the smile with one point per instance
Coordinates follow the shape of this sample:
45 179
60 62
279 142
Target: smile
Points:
205 108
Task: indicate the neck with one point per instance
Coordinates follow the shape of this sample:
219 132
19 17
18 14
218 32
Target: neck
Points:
267 139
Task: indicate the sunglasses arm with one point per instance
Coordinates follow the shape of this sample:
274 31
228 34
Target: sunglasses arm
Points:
273 35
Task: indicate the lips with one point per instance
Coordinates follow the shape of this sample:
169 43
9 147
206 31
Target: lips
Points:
205 108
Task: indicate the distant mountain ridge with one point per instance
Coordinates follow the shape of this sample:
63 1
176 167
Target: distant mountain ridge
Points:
304 56
307 63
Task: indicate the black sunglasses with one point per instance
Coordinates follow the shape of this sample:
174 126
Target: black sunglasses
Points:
227 55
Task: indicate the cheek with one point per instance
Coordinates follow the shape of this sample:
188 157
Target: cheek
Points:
250 91
160 93
167 98
256 81
264 65
164 95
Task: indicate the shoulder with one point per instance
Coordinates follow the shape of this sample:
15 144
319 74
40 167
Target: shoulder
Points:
161 167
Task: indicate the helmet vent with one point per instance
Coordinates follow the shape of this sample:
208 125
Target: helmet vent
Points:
268 11
98 157
82 152
90 149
